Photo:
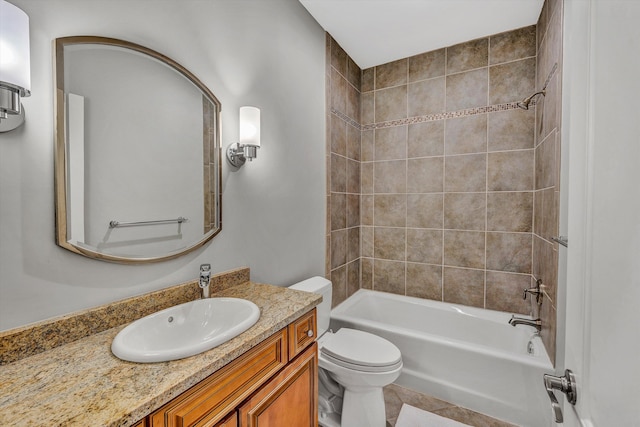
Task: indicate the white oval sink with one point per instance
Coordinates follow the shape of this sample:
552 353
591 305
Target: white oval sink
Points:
184 330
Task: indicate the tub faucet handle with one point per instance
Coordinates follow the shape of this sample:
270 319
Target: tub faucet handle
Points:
533 291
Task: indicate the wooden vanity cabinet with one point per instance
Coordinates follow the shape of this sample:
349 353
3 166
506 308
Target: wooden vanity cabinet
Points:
268 382
289 399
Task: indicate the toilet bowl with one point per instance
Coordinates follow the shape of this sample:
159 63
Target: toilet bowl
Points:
354 367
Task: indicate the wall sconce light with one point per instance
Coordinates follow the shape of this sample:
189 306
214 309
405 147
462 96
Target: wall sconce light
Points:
247 147
15 74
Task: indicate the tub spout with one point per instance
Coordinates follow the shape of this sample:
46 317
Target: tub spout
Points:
536 323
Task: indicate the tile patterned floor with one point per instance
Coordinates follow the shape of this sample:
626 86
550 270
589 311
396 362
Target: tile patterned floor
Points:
395 396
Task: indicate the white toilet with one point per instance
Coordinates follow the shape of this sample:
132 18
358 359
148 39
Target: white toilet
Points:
354 366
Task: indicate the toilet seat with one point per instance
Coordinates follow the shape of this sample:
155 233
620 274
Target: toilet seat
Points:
360 351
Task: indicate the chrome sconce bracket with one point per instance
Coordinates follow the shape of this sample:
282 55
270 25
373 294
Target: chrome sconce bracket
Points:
237 154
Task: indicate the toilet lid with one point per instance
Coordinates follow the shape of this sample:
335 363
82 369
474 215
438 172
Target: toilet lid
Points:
361 349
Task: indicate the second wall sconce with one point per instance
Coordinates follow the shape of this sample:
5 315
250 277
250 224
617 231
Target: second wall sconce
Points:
247 147
15 74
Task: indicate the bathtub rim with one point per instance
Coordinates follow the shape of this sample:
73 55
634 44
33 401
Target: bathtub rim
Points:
539 359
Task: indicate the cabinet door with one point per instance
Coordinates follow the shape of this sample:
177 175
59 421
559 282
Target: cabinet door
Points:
289 399
230 421
206 403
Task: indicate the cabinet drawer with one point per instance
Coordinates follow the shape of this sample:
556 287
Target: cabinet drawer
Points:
206 403
302 333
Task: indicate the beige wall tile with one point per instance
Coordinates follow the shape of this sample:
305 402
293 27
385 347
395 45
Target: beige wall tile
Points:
426 97
465 135
366 178
353 106
338 248
424 175
367 106
389 243
392 74
424 281
390 176
368 79
338 57
366 209
545 163
338 211
390 210
504 292
509 252
465 211
511 130
353 143
427 65
391 104
366 241
338 173
354 73
338 92
464 248
467 90
367 143
549 325
512 81
468 56
353 244
465 173
391 143
353 176
353 277
338 136
512 45
463 286
389 276
425 210
366 273
424 246
510 211
353 210
549 214
425 139
338 285
510 171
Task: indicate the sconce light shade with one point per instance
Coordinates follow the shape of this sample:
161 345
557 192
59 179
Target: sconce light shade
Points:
15 74
250 126
247 147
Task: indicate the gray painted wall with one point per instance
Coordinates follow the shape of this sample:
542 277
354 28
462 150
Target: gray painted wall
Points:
250 52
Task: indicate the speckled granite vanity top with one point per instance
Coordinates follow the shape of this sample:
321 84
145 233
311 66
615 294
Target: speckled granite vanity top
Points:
81 383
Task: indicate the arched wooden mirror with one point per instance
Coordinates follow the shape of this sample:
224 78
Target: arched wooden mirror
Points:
137 153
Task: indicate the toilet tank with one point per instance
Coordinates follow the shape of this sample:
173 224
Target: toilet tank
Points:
322 286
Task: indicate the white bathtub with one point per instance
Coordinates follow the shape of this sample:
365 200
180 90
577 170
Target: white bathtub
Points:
464 355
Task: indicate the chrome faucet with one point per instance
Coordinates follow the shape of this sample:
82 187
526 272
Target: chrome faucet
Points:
536 323
205 279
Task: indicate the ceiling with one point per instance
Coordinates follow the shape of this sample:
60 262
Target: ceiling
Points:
375 32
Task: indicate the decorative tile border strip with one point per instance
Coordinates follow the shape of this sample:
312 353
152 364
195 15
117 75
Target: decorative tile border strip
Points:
441 116
429 117
346 118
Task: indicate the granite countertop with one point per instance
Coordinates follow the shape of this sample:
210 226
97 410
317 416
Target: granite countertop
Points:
83 384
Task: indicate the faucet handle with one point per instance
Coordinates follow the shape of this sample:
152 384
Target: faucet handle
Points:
533 291
205 275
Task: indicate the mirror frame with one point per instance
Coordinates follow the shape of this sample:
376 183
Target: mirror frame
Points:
61 158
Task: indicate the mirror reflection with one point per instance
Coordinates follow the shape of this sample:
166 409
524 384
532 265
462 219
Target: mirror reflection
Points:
137 153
